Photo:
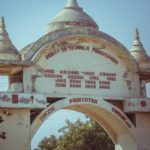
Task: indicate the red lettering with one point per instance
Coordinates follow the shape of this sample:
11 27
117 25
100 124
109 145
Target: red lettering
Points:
15 98
107 74
46 113
89 73
63 72
53 75
60 85
60 80
75 77
94 78
75 81
104 87
75 85
111 78
77 100
90 86
49 71
50 54
90 81
108 56
81 24
104 82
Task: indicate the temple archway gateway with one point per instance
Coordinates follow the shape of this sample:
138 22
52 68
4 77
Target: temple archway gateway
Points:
75 66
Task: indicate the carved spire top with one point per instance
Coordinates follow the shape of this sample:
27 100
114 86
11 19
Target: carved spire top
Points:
2 27
6 46
137 44
2 23
138 51
137 34
73 4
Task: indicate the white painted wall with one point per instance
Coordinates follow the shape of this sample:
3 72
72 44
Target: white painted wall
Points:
15 129
56 59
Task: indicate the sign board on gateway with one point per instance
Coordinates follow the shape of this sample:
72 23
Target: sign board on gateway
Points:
79 68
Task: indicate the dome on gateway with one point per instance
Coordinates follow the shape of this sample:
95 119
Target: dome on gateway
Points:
72 16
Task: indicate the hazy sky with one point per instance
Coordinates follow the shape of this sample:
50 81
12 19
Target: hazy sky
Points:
27 19
26 22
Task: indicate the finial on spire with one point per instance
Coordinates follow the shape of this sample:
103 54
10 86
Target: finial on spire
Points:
138 51
7 49
137 34
137 44
2 22
137 41
73 4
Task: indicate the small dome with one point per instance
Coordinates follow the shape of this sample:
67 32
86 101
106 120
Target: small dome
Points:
7 49
138 51
72 16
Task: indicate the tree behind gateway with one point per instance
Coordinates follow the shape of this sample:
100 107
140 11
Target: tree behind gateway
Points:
80 135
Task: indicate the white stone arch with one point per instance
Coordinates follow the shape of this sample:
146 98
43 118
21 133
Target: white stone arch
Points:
36 48
113 120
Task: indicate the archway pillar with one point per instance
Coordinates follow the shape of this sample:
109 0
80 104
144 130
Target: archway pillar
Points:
124 142
15 129
143 130
140 108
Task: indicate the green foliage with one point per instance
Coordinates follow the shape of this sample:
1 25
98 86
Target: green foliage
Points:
78 136
48 143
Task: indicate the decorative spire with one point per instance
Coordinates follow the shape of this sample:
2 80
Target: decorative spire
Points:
73 4
2 23
6 46
137 34
137 44
2 28
138 51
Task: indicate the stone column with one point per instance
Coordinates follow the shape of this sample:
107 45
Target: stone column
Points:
124 142
143 130
15 129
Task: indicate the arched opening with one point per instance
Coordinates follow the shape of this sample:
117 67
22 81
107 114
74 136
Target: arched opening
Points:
114 122
54 123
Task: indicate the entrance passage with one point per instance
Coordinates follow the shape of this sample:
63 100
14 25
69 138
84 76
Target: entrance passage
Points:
115 123
83 124
54 123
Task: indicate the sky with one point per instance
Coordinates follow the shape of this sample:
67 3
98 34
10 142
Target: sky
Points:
27 19
26 22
